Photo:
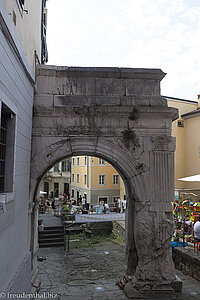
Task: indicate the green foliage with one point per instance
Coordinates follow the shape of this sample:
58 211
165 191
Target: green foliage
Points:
81 240
66 208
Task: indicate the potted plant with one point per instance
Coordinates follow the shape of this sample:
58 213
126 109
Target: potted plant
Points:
40 222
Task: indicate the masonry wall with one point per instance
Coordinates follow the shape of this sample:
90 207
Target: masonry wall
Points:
16 92
188 264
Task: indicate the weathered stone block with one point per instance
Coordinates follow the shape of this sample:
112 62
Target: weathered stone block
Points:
142 87
162 289
43 100
131 292
82 101
177 284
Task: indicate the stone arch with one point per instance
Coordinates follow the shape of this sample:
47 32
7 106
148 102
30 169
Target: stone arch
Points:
119 115
103 148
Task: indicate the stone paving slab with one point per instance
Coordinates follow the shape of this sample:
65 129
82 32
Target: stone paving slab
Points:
50 220
92 273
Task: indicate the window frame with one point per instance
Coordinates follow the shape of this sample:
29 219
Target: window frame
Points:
78 178
56 167
115 176
10 146
102 162
63 166
21 5
85 179
102 179
73 177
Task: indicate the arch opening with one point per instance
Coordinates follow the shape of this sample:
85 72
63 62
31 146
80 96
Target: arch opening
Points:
130 249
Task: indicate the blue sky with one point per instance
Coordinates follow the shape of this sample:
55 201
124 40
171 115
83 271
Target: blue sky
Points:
161 34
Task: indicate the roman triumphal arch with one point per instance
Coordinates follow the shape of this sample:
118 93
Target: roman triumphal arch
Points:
116 114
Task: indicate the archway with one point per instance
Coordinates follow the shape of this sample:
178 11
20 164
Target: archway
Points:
64 149
117 115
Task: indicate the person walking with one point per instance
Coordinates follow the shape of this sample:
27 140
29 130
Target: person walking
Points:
197 229
83 203
119 205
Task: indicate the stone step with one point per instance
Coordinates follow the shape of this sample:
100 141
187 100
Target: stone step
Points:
53 227
51 231
51 235
48 245
50 240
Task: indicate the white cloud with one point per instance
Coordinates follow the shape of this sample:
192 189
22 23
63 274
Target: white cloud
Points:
153 34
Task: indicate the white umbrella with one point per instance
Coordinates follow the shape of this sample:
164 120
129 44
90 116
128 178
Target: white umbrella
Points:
191 178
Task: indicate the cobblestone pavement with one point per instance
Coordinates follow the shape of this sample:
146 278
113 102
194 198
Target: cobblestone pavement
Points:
92 273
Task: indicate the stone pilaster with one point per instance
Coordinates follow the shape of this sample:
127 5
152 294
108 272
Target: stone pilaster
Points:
155 221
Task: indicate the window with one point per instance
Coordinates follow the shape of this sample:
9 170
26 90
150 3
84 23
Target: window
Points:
78 161
21 3
69 165
56 168
66 188
44 51
85 179
73 161
72 193
115 179
85 160
46 189
56 189
7 142
102 161
103 199
102 179
72 177
77 178
180 123
64 166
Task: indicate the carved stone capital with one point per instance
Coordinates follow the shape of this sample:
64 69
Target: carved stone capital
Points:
164 143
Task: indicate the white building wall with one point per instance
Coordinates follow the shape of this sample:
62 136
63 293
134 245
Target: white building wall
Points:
24 25
16 91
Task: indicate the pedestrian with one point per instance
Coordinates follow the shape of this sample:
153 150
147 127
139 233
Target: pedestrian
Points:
119 205
70 207
197 229
123 205
107 208
83 203
53 204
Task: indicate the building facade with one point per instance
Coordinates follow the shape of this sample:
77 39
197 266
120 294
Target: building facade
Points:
179 128
95 179
20 48
57 180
